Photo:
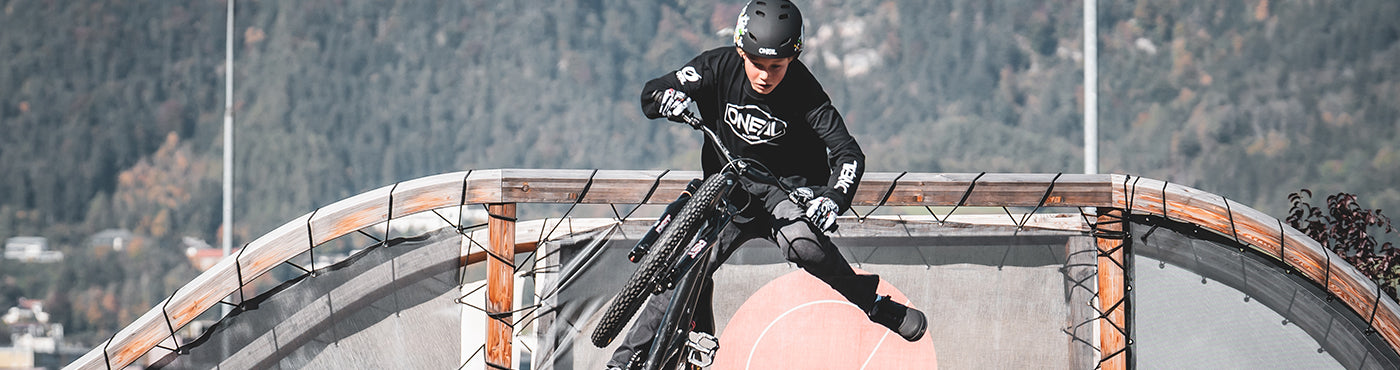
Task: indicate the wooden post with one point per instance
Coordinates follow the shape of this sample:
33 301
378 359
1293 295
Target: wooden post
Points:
1113 290
1082 269
500 283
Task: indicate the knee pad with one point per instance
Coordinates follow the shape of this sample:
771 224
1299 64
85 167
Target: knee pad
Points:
800 245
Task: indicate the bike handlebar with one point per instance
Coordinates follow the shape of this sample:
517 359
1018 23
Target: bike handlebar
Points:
743 165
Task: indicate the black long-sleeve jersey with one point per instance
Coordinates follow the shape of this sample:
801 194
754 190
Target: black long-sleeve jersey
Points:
794 130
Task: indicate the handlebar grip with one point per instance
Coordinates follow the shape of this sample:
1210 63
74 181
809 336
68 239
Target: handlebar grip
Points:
689 117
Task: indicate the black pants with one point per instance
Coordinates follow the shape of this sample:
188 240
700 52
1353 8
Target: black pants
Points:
802 244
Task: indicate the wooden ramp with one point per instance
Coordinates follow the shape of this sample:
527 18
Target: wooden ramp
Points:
1113 197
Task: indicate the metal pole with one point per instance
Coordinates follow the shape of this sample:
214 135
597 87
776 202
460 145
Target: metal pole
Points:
227 226
1091 87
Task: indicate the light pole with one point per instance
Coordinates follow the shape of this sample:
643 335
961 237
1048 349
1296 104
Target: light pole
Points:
1091 87
227 226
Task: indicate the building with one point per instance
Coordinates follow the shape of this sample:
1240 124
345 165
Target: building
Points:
33 338
31 249
115 239
201 255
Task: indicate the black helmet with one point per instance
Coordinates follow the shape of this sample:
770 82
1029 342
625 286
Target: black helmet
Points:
769 28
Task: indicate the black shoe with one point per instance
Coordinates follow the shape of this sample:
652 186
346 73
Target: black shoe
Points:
908 322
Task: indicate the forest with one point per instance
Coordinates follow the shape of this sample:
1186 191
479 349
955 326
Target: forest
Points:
112 111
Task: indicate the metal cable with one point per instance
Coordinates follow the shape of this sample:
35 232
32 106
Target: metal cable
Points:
105 357
1043 198
165 311
1164 200
966 194
1231 215
654 185
311 240
238 267
1374 305
388 231
883 199
579 199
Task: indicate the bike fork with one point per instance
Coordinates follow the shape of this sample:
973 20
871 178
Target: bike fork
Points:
644 245
703 243
672 341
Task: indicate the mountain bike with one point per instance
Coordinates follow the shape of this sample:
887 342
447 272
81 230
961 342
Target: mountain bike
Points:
675 254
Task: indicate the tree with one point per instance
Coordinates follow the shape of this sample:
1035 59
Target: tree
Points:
1344 227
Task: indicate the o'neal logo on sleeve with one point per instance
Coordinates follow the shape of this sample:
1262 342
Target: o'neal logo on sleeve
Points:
753 124
687 74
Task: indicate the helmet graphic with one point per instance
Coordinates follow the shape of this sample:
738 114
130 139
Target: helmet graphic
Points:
769 28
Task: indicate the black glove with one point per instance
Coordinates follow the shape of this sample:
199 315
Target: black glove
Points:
820 211
678 107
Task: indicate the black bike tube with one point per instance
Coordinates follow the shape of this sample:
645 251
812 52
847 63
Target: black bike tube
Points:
704 240
668 344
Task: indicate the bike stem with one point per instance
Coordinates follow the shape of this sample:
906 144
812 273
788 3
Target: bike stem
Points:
695 122
728 158
741 165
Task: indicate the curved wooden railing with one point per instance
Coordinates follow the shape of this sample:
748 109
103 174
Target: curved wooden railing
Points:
1265 234
509 186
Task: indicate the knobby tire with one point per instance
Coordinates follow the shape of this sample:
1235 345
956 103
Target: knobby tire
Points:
658 262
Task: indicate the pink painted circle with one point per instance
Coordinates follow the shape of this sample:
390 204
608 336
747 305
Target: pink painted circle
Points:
798 322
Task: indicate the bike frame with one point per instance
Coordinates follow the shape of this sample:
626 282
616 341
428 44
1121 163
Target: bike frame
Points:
671 337
689 273
689 266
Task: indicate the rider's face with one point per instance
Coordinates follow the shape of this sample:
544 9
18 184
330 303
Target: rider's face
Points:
764 73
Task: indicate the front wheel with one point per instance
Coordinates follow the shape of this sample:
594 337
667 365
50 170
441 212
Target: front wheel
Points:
656 263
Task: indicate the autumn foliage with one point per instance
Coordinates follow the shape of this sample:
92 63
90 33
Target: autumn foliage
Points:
1346 228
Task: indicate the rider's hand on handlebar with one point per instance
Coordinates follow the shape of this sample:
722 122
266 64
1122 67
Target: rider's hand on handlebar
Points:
678 107
820 211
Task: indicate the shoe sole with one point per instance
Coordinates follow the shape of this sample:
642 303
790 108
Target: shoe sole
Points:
923 326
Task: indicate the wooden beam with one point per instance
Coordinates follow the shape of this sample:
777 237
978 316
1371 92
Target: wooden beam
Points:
985 190
500 285
911 189
1113 289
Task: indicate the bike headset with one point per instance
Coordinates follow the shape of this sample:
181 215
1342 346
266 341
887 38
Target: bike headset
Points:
696 122
741 165
769 28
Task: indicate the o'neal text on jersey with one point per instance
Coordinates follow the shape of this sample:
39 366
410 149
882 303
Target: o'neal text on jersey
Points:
848 176
753 124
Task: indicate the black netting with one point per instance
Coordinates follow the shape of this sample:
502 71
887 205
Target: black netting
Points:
998 297
1203 301
389 306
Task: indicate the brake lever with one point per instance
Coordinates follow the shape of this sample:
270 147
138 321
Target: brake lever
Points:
692 120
